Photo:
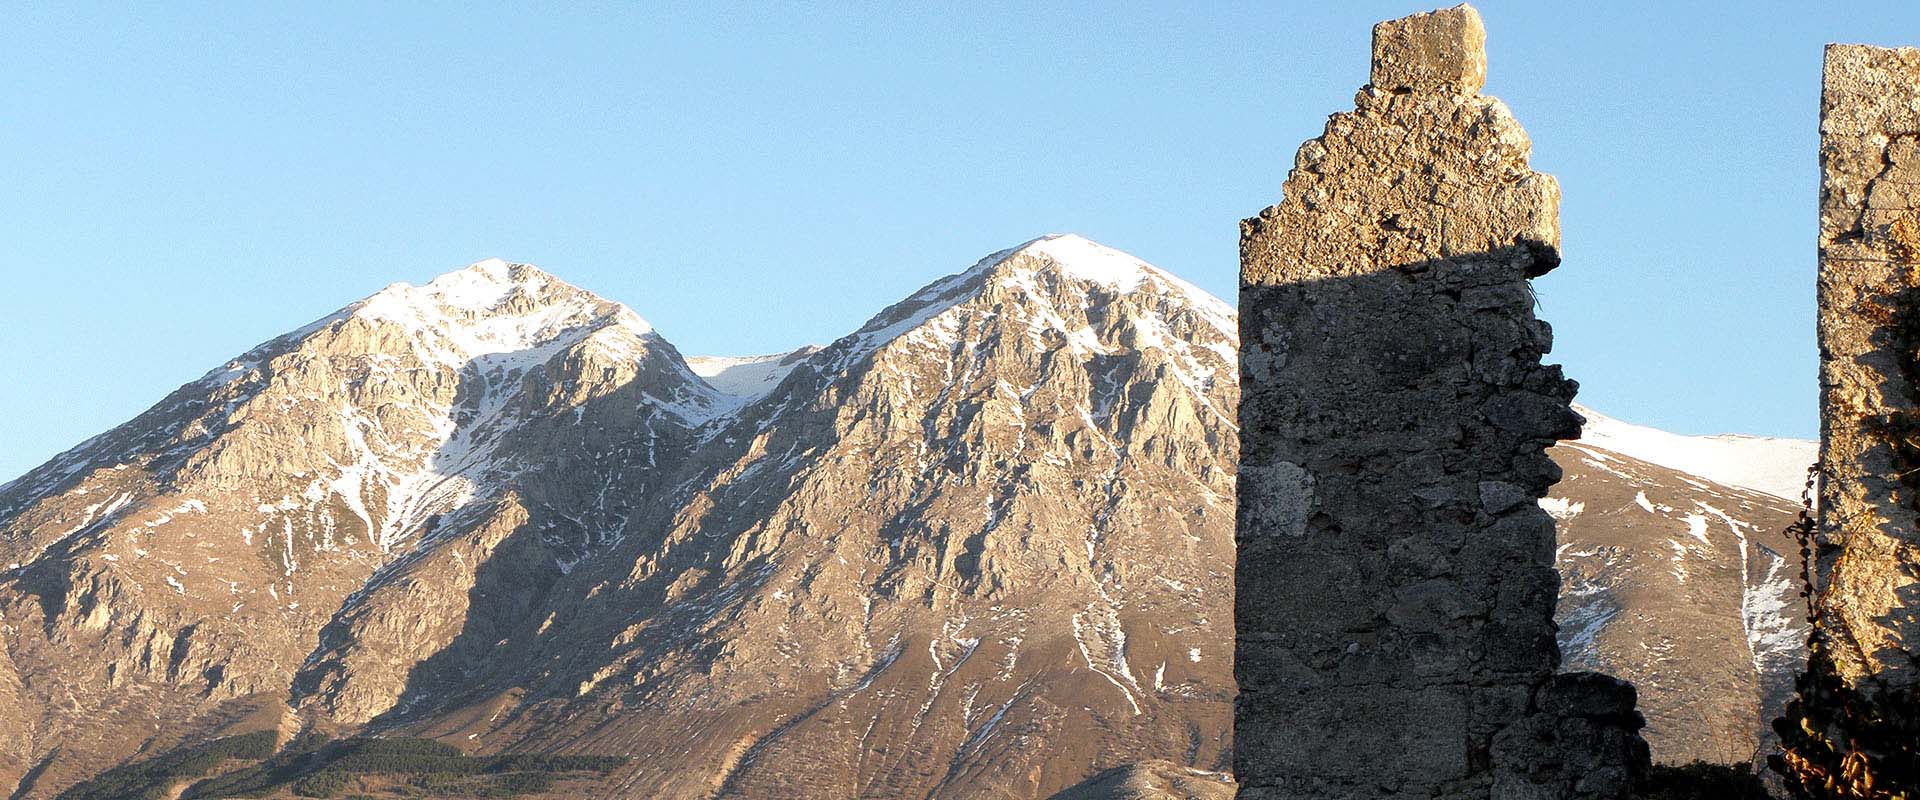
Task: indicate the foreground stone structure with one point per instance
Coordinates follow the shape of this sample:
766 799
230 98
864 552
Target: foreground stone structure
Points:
1854 728
1395 578
1867 568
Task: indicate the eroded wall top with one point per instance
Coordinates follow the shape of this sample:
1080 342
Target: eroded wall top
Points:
1424 167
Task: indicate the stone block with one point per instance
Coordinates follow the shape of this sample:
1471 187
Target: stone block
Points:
1438 50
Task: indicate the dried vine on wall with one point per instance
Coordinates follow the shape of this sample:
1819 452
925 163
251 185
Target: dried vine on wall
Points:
1840 738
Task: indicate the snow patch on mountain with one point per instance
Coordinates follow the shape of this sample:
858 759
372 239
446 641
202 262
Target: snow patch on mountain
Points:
1562 508
1586 608
749 377
492 322
1770 465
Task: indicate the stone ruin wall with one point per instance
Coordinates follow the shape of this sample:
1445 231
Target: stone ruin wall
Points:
1395 583
1867 558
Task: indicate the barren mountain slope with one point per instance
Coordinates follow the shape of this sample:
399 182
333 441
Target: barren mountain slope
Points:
1688 588
979 547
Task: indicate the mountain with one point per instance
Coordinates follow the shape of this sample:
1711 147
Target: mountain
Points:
233 548
1687 587
981 546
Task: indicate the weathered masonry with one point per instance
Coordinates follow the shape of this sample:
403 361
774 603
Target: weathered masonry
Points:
1851 730
1395 577
1868 566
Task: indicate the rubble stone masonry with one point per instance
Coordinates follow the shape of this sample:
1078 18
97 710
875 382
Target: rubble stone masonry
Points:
1396 584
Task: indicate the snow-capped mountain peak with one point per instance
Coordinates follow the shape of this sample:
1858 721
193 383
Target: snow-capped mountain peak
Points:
1087 260
478 287
1054 278
1079 258
496 307
481 286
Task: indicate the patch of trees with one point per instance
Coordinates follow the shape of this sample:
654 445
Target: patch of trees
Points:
313 766
154 778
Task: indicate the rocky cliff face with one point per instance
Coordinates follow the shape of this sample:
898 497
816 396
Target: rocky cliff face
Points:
980 546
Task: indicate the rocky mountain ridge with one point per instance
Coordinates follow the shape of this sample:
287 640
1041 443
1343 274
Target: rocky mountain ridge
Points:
980 545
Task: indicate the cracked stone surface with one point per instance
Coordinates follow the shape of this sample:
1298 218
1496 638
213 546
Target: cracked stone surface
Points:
1396 582
1868 564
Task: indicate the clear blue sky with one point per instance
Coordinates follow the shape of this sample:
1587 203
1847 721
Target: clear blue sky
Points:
184 182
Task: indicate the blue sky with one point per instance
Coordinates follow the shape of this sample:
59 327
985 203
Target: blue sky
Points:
187 181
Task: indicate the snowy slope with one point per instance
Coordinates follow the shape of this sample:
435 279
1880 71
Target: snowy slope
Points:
1774 466
747 376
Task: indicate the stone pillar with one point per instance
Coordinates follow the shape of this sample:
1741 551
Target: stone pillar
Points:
1867 565
1395 578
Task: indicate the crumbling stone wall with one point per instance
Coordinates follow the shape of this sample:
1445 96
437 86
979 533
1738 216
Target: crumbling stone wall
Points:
1395 577
1868 565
